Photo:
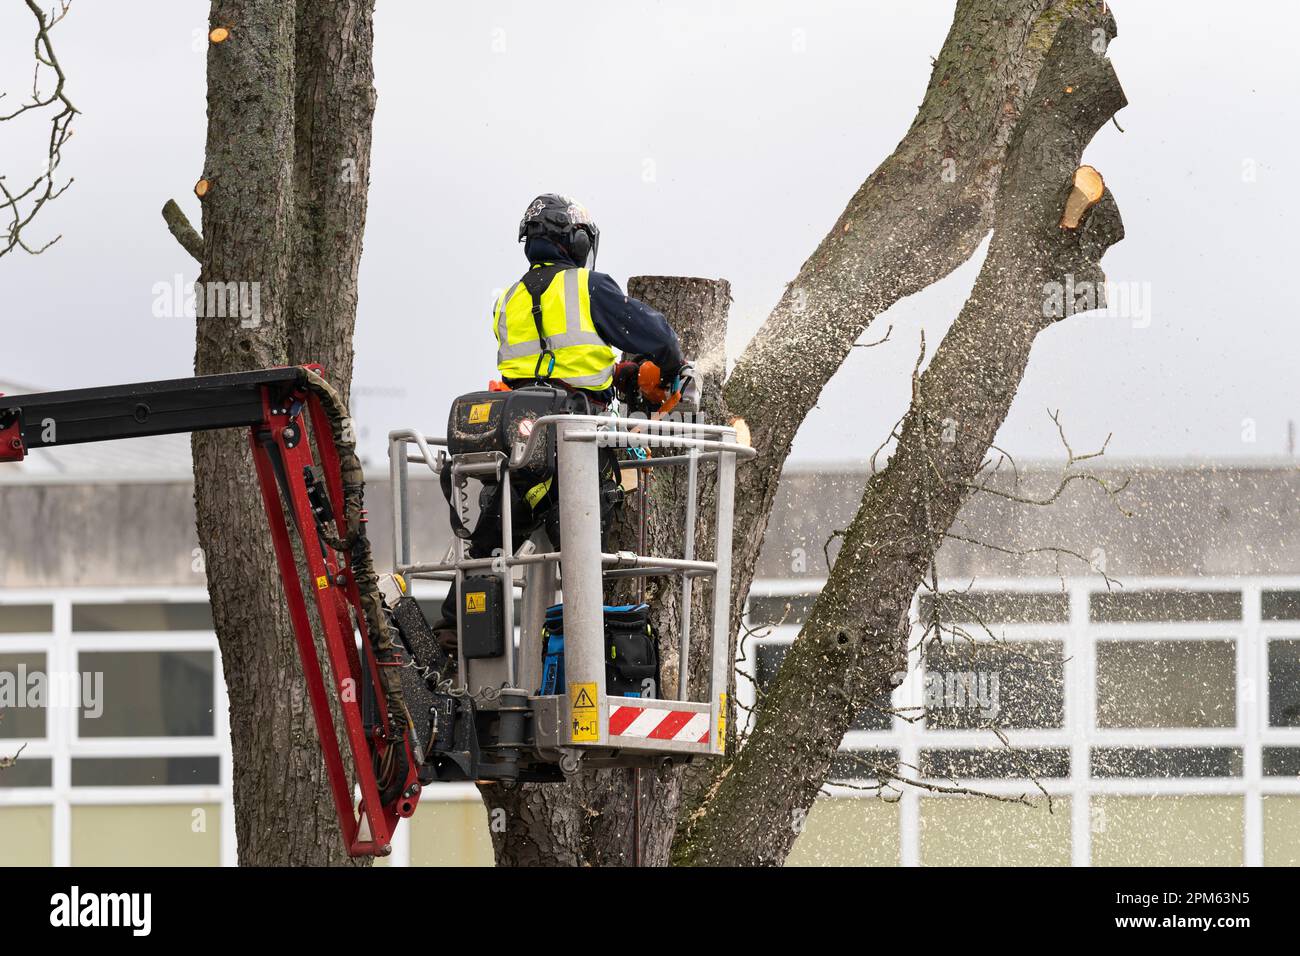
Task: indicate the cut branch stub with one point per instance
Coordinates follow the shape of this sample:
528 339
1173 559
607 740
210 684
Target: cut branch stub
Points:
1086 192
179 226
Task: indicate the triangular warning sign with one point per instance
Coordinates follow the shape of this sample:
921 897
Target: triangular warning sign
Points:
583 700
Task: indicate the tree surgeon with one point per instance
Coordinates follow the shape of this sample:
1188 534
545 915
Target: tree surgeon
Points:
559 326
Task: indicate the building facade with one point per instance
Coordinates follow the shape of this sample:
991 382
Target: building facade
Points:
1116 676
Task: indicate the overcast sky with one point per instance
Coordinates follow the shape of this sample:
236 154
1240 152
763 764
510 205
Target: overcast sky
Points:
708 138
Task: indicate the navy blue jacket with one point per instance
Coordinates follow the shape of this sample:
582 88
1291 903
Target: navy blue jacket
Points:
622 321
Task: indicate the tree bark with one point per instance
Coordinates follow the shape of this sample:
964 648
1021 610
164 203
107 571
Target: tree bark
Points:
855 637
918 216
290 93
334 106
597 817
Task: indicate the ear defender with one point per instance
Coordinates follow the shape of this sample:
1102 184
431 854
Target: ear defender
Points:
580 246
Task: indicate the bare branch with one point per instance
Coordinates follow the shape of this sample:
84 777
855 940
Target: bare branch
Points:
1025 552
7 762
178 224
872 345
21 204
1067 476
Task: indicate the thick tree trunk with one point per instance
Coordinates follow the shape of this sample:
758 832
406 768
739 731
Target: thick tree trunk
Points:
855 637
922 213
598 817
334 105
290 95
918 216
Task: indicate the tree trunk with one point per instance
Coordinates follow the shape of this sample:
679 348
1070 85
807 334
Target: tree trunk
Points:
334 106
918 216
855 637
290 96
922 213
593 818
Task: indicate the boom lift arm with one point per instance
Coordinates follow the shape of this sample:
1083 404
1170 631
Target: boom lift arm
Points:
286 411
492 714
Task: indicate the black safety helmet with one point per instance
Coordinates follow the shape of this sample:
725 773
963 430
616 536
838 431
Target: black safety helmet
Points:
565 222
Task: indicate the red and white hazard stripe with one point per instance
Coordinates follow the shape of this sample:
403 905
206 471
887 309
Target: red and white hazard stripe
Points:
649 722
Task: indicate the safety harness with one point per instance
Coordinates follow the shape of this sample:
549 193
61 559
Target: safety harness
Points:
535 282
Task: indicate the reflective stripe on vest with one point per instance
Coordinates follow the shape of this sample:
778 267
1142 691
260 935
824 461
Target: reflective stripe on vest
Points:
582 357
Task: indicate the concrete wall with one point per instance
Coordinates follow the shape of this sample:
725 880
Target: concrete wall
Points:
1185 520
61 534
1198 519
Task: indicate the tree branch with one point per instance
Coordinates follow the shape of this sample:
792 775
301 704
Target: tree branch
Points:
185 233
7 762
923 212
855 638
42 188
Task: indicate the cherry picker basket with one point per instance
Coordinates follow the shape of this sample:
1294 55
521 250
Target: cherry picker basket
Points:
583 714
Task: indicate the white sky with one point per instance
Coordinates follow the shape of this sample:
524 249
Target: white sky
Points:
706 143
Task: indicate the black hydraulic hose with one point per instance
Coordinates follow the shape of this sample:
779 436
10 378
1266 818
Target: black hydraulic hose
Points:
355 543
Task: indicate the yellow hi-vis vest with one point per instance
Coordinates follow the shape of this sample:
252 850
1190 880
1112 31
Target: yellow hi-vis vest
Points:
582 358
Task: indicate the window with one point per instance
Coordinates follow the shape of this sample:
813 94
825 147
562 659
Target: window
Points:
142 616
1167 831
145 771
860 764
179 834
1280 606
1130 718
1157 683
768 655
1166 762
994 684
26 834
24 696
1281 830
989 764
26 771
848 832
1281 761
960 832
26 618
1109 607
120 709
1284 683
148 694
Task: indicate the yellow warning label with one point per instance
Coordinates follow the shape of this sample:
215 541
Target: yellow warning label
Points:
722 722
480 413
322 582
475 602
584 715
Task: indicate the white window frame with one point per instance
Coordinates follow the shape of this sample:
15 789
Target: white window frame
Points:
1079 732
62 742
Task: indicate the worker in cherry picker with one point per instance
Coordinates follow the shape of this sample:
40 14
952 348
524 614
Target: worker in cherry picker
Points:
560 325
